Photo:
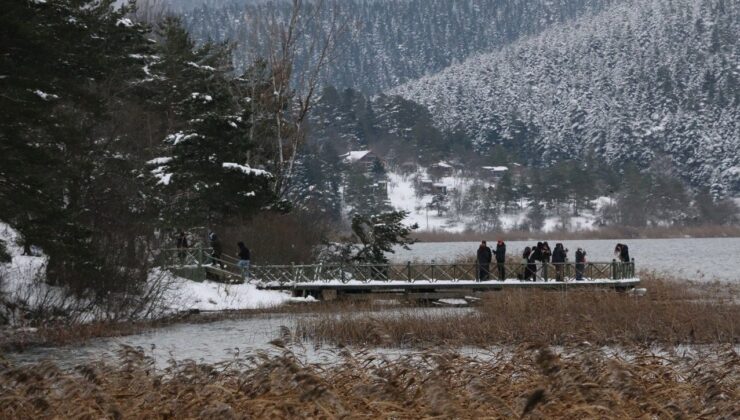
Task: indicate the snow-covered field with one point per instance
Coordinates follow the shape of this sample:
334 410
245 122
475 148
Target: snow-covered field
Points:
701 259
402 196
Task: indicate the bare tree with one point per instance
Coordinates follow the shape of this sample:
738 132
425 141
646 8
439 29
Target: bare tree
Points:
279 39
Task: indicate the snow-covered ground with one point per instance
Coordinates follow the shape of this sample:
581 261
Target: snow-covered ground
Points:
402 196
22 281
185 295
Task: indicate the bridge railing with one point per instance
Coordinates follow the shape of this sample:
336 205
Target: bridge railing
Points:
413 272
197 258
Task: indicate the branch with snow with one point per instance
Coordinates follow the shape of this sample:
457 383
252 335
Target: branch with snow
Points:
246 169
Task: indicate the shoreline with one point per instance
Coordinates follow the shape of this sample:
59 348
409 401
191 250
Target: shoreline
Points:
668 297
606 233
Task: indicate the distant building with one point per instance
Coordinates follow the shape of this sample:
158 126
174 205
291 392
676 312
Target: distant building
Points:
495 172
439 189
365 158
440 169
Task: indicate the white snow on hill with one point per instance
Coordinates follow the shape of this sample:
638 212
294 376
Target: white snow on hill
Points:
402 196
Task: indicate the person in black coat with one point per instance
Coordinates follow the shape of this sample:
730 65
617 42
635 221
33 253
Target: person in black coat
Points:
216 249
546 252
244 259
531 257
580 263
559 256
182 246
624 253
483 258
501 259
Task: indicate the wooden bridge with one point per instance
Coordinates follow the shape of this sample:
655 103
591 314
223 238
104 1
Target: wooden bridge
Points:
410 280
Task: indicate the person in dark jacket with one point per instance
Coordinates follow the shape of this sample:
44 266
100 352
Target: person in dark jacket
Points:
483 258
624 253
216 249
244 259
546 252
501 259
580 263
537 251
530 272
182 246
525 260
559 256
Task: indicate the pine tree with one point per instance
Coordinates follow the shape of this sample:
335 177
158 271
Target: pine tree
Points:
206 171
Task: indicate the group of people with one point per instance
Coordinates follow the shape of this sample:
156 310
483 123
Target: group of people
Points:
484 258
540 253
216 257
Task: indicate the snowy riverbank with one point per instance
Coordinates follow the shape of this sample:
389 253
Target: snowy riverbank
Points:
26 295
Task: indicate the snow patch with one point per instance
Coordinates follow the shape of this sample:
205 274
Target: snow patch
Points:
246 169
125 22
45 96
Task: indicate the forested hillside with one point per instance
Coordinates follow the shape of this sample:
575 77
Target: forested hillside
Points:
387 42
654 83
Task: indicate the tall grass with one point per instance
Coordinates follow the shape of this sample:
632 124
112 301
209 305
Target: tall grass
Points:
530 381
672 312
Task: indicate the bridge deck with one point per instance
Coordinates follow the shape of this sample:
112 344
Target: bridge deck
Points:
355 286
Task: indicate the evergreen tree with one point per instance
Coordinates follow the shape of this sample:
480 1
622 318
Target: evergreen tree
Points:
208 176
536 216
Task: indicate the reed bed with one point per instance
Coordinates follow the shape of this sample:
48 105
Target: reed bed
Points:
528 381
672 312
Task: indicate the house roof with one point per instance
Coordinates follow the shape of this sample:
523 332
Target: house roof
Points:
356 155
442 164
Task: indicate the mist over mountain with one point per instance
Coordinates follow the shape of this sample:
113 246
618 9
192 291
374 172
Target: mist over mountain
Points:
388 42
646 82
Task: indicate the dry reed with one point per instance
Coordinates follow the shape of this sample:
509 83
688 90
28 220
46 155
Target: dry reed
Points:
672 312
528 381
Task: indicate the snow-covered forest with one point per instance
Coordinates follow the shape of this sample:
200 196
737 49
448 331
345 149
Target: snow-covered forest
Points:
387 42
647 82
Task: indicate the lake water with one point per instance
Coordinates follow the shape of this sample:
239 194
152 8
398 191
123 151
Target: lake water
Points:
701 259
697 259
210 342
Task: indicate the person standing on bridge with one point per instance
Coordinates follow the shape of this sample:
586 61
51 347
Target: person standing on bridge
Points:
580 263
182 246
501 259
559 256
483 259
216 249
244 259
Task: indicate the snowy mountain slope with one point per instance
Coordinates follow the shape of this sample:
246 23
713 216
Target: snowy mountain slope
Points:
388 42
642 81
